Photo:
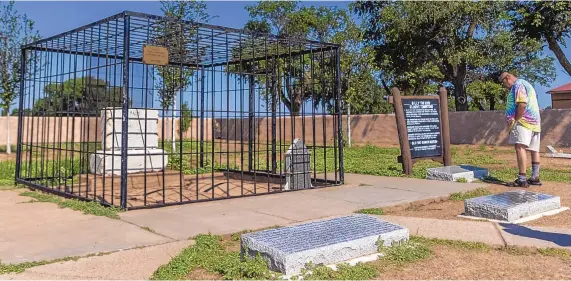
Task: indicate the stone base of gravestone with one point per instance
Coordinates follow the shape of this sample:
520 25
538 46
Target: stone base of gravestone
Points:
479 172
297 167
143 153
289 249
449 173
511 206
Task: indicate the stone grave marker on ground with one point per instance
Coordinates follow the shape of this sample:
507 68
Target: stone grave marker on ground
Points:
289 249
297 167
511 206
143 142
453 173
553 153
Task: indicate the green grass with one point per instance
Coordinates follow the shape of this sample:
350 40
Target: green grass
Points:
359 271
209 253
464 245
405 252
91 208
461 196
371 211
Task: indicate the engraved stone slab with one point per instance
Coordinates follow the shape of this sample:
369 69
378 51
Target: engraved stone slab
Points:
297 167
449 173
289 249
510 206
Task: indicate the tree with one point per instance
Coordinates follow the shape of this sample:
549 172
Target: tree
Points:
176 36
448 43
15 30
548 21
186 117
80 95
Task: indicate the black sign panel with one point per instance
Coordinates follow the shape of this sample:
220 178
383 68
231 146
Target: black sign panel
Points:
422 118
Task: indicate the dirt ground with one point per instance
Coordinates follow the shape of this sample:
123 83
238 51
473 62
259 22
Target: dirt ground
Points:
449 209
448 263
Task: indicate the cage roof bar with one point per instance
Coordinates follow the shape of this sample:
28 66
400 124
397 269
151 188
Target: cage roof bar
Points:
105 20
229 29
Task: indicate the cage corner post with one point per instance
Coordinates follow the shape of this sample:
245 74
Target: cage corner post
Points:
125 110
339 115
20 116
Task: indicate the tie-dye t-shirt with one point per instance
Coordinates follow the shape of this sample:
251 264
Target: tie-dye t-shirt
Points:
522 91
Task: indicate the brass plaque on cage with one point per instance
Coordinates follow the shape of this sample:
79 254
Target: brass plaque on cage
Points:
155 55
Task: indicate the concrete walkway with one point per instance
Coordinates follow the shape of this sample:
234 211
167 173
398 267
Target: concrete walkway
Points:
42 231
486 232
233 215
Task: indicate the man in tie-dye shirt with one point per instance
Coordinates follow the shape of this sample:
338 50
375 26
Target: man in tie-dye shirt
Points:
522 113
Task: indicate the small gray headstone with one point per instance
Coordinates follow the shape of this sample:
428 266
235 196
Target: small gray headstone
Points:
297 167
449 173
510 206
289 249
555 154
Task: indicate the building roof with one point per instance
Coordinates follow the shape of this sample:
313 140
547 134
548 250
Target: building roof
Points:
561 89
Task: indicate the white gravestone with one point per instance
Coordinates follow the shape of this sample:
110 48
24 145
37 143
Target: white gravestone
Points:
143 153
297 167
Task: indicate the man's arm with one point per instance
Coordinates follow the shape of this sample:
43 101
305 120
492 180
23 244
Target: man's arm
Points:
521 96
520 110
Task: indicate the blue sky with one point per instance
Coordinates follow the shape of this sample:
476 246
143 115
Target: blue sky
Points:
55 17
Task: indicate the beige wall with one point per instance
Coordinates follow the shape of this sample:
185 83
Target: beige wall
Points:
466 128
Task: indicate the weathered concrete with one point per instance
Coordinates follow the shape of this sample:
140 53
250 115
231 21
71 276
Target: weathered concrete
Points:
114 266
43 231
449 173
227 216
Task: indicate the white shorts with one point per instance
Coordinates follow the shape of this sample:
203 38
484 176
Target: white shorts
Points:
525 136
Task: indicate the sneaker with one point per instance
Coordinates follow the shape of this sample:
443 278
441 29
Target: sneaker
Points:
535 181
518 183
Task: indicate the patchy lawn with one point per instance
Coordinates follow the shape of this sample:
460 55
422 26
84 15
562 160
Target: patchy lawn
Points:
449 209
217 257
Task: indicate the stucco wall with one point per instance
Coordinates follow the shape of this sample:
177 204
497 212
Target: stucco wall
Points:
466 128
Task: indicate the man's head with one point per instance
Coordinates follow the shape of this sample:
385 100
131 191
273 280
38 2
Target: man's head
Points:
508 79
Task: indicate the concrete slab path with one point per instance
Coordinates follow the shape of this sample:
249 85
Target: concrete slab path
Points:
233 215
43 231
486 232
134 264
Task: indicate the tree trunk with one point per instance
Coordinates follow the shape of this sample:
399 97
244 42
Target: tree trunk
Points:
553 46
492 103
460 96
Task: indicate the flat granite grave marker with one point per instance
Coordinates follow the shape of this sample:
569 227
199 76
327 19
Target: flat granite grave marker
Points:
297 167
289 249
556 154
449 173
511 206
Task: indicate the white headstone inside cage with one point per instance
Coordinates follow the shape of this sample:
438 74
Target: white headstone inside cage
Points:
297 167
143 153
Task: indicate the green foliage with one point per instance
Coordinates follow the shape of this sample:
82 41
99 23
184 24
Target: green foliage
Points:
462 180
371 211
208 253
405 252
85 94
359 271
89 208
15 30
547 21
186 117
461 196
465 245
175 78
452 43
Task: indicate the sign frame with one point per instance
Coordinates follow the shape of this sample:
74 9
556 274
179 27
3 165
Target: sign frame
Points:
406 157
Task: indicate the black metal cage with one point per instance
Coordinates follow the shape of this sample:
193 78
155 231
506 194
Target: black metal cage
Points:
137 111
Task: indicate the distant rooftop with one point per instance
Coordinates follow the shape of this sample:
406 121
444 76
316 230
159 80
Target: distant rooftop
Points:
561 89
